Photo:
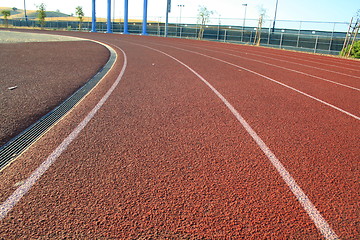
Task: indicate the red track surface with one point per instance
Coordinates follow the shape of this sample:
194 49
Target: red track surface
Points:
43 80
164 158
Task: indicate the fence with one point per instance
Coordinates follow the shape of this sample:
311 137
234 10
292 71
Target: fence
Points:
317 37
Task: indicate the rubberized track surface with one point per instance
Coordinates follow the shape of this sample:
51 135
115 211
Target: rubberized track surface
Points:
170 156
45 73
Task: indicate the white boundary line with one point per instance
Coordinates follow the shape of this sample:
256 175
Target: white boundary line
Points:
309 66
301 59
293 70
309 207
8 204
307 60
83 39
273 80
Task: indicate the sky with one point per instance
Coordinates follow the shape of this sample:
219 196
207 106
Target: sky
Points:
297 10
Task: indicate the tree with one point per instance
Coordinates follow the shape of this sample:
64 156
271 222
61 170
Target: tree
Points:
6 14
80 14
262 12
351 48
203 18
41 14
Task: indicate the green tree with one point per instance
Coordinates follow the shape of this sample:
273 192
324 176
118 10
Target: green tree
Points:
41 14
257 37
203 18
351 47
6 14
354 50
80 14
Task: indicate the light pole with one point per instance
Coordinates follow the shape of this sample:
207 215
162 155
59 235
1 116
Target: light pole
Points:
242 35
144 24
218 33
26 18
113 21
180 6
273 29
168 10
126 16
93 18
108 29
159 29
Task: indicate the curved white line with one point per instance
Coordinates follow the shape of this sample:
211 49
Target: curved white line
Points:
301 59
288 69
8 204
326 64
309 207
309 66
273 80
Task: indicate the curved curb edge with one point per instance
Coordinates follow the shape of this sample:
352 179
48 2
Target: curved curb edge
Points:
19 144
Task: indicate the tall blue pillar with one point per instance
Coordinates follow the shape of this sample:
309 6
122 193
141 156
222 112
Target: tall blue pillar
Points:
109 17
144 19
93 26
126 17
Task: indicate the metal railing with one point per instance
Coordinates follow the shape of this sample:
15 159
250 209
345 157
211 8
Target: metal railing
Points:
317 37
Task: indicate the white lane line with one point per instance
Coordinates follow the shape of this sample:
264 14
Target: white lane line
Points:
304 65
301 59
309 207
273 80
8 204
288 69
326 64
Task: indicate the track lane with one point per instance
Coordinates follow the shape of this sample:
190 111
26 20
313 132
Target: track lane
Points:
318 65
329 60
138 179
351 64
221 226
343 167
354 73
346 82
317 91
308 206
37 174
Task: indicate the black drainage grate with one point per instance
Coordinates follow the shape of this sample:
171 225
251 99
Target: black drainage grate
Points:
21 142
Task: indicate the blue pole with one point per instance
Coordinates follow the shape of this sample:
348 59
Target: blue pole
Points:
109 17
126 17
93 27
144 18
168 9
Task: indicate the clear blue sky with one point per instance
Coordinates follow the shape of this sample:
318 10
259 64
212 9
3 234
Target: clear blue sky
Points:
300 10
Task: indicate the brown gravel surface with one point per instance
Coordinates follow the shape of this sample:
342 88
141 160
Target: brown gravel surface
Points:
44 74
165 159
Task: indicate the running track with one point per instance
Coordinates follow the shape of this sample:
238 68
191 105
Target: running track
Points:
197 140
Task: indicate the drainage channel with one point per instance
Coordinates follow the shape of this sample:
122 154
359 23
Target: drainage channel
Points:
25 139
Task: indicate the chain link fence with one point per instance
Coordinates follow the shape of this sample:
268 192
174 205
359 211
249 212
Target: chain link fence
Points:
310 36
